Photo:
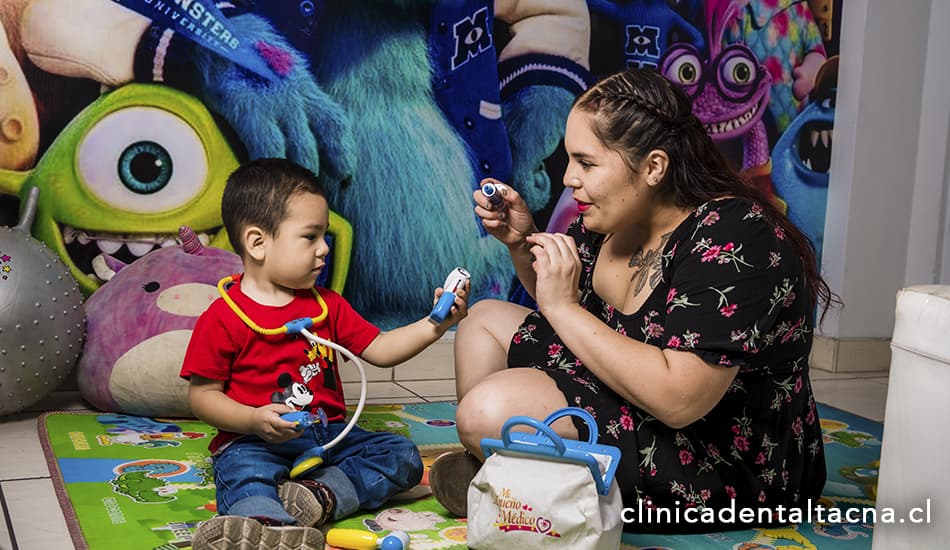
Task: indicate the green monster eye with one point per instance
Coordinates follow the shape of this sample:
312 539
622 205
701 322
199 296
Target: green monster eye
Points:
145 167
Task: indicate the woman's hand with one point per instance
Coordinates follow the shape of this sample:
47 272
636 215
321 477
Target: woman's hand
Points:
269 426
511 222
558 269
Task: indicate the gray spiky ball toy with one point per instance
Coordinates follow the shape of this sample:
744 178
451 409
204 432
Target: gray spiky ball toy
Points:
42 322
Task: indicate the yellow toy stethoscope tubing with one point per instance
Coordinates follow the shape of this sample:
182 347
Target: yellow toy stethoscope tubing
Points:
301 326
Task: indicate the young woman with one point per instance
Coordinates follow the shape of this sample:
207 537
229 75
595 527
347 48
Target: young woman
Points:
678 310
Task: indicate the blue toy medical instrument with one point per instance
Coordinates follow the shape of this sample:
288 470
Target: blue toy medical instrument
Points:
491 192
302 326
602 460
453 282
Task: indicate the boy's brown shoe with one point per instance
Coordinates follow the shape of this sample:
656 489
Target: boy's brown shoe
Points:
230 532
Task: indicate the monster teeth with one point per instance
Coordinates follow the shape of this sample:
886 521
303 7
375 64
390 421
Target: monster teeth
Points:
108 246
69 235
140 249
814 138
101 269
83 238
826 137
204 238
169 242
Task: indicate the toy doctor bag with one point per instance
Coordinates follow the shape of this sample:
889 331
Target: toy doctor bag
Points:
542 491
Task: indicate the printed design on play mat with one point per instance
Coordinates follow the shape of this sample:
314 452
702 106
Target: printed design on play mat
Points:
428 524
145 481
142 432
864 477
110 469
835 431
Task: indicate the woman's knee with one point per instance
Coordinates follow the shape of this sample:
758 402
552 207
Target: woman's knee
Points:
479 415
479 314
521 391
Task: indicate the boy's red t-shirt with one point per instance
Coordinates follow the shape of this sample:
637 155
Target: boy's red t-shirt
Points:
259 369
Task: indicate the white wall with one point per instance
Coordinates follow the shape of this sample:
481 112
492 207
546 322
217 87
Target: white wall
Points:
926 247
886 222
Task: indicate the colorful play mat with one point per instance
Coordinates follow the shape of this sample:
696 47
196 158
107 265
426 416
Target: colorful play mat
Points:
133 482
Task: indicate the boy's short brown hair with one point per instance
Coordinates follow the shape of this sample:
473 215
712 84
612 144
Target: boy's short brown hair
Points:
257 193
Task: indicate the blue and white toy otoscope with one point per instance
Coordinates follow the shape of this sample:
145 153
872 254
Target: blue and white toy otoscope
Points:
302 326
493 194
453 282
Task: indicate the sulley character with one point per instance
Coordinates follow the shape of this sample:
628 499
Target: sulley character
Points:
402 107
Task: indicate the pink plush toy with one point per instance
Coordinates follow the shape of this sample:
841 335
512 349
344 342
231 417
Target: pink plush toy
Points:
139 324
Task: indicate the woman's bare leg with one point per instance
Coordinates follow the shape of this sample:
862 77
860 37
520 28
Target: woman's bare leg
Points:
481 342
507 393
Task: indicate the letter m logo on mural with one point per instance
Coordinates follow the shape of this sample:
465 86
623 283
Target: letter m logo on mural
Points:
643 40
472 37
203 23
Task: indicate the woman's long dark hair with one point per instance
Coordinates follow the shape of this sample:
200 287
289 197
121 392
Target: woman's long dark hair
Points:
637 110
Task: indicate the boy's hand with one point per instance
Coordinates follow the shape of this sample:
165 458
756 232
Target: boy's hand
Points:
459 311
269 426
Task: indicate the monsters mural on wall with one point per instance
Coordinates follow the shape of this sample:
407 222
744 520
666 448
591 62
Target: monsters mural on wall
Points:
401 107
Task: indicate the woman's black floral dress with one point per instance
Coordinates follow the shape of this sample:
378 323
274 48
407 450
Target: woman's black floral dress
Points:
733 293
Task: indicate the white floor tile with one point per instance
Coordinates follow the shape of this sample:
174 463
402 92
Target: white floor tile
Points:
437 362
37 519
432 390
819 374
5 540
60 401
20 448
349 373
377 391
859 396
390 400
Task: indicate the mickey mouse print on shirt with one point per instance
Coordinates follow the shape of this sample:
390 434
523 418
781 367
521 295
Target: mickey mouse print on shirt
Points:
297 394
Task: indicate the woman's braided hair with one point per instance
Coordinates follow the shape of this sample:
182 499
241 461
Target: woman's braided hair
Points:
637 111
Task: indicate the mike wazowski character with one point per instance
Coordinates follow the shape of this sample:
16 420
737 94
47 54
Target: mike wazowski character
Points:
126 173
401 106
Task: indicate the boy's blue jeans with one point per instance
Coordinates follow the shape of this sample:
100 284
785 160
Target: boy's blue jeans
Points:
363 470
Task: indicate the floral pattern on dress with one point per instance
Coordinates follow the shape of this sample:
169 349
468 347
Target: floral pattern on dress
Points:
732 293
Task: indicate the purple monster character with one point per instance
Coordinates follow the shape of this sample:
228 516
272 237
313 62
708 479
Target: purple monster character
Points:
730 91
139 323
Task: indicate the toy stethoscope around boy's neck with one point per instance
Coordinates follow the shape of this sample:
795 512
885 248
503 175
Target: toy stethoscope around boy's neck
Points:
302 326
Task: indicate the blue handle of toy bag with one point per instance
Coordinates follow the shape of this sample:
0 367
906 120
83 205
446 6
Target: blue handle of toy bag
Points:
579 412
552 446
545 427
528 421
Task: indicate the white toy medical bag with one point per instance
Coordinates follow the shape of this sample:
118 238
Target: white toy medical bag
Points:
538 490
